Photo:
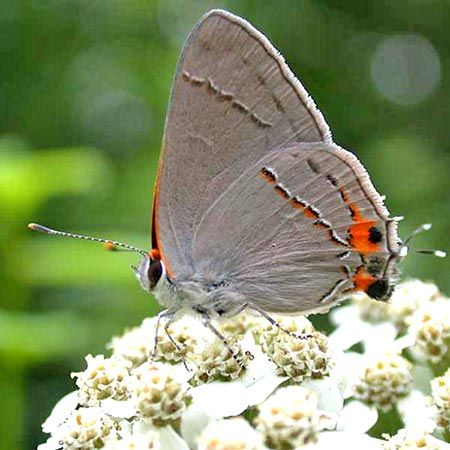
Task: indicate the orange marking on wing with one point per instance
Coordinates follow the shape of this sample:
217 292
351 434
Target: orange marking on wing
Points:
309 212
360 230
156 240
280 191
359 237
267 176
362 279
297 204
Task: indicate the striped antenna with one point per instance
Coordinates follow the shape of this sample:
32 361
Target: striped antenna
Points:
426 251
418 230
109 244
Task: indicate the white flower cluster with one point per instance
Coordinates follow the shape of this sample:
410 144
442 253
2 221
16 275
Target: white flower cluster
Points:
270 387
440 392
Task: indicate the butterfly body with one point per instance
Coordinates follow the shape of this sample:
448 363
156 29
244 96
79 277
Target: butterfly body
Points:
255 205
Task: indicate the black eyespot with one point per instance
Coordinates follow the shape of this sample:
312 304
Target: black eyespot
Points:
379 290
375 235
154 273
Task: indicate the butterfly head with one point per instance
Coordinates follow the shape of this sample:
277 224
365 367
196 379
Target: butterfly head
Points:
150 270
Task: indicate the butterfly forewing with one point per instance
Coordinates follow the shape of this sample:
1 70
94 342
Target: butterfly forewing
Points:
233 100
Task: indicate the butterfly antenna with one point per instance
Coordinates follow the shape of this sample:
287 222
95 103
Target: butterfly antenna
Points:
418 230
110 245
438 253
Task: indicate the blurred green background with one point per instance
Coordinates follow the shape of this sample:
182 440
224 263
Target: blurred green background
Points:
84 86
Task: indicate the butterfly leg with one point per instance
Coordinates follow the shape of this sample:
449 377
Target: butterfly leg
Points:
174 342
276 324
206 320
162 315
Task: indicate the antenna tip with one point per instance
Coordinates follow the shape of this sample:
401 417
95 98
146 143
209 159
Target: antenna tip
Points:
427 226
41 228
440 254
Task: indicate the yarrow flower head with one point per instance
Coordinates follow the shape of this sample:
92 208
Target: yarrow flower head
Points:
140 441
136 344
430 326
440 393
370 310
298 350
217 361
289 419
159 396
407 298
385 379
406 439
231 398
188 341
84 429
230 434
103 378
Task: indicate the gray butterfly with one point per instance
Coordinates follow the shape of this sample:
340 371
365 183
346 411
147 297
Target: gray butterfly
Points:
255 206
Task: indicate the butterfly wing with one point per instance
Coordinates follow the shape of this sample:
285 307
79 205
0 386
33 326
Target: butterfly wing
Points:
233 100
296 231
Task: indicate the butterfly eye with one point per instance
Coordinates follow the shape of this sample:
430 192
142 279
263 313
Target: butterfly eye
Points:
155 270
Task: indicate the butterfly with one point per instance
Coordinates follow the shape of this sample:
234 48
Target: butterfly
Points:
255 206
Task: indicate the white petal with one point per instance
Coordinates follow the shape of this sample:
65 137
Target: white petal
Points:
180 372
60 412
348 334
212 401
380 337
170 440
260 378
406 341
142 427
343 439
415 412
348 368
123 409
345 315
328 394
357 417
220 399
51 444
193 422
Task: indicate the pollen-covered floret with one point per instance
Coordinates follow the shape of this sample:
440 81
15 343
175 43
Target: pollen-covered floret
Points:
430 326
217 361
385 379
87 429
103 378
136 344
407 439
289 419
230 434
440 393
300 352
159 396
408 297
184 332
370 310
